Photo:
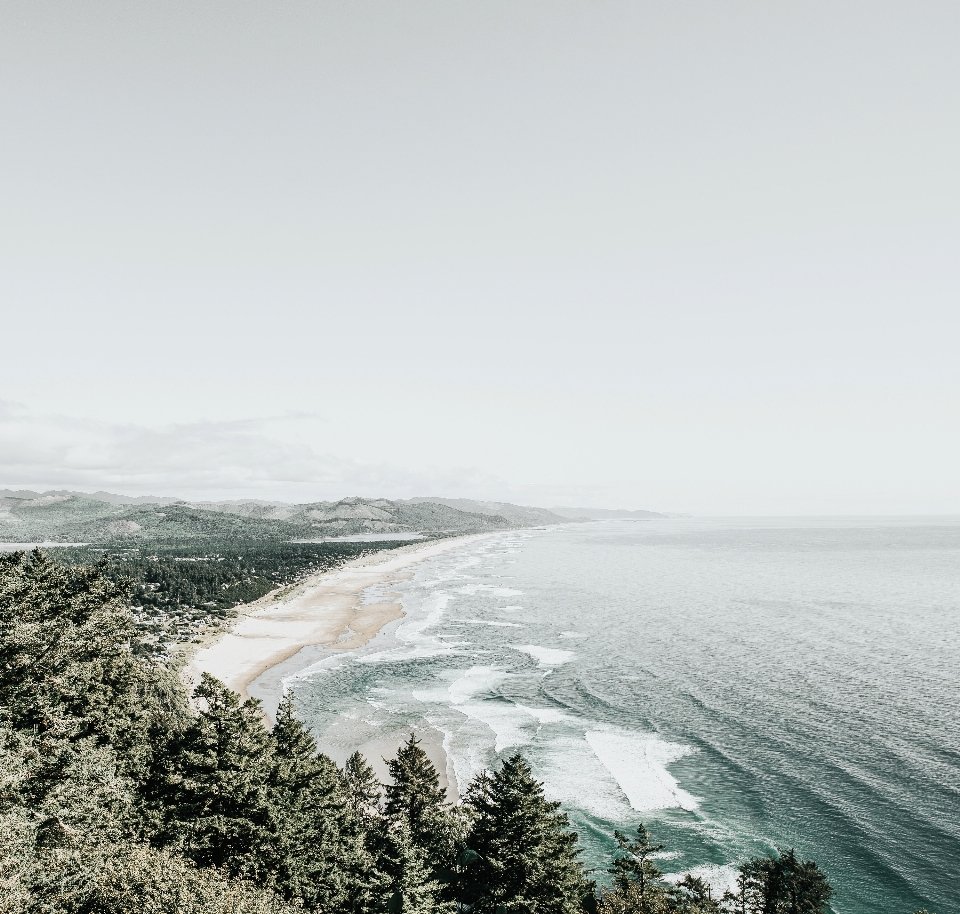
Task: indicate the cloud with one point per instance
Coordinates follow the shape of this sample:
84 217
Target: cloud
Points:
201 460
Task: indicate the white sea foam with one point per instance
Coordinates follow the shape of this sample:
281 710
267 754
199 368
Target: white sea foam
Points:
474 681
546 715
411 632
431 696
409 629
545 656
511 726
416 653
638 763
574 776
719 878
495 624
465 750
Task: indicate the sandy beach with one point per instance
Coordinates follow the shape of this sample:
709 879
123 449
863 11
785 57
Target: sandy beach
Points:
325 610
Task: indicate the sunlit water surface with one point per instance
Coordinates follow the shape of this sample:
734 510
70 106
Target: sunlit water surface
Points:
736 685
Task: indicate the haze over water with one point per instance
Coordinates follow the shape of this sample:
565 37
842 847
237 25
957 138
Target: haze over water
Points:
735 684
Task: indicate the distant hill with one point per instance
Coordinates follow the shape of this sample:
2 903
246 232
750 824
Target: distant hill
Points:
355 516
64 516
605 514
516 514
85 519
109 497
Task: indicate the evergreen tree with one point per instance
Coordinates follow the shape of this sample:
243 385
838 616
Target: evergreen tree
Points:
66 845
749 894
319 853
363 790
218 793
69 669
416 797
692 895
797 886
410 885
633 865
638 886
417 805
780 885
526 855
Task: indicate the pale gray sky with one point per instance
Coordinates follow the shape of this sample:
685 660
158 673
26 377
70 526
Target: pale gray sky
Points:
689 256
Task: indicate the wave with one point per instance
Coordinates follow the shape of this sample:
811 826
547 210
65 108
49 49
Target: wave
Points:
494 624
545 656
638 762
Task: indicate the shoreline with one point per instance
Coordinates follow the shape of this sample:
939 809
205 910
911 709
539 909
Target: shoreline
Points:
324 612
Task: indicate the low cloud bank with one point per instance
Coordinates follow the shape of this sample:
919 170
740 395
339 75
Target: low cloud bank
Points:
201 460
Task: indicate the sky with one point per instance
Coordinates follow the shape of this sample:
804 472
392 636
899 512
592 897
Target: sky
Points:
683 256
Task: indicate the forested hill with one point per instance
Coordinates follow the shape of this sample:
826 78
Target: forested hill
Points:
27 517
520 515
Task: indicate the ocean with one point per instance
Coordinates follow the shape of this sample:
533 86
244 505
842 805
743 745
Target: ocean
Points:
736 685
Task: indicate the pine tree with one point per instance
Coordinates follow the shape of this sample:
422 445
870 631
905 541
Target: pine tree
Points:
69 669
410 885
217 794
779 885
633 865
692 895
416 803
749 894
638 886
363 790
526 856
319 854
415 796
797 886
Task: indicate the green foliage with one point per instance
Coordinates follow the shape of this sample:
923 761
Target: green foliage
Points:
526 855
692 895
637 884
364 792
416 799
779 885
263 805
633 866
765 885
67 844
180 589
320 853
410 885
69 669
217 794
423 835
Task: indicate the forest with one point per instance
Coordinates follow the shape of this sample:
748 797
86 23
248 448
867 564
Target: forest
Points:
120 793
179 590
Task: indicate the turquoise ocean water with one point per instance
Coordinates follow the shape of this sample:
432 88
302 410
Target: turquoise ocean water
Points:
735 684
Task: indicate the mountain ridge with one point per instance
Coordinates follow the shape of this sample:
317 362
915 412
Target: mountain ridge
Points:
66 516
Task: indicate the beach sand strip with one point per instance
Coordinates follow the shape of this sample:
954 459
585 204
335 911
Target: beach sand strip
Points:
326 609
